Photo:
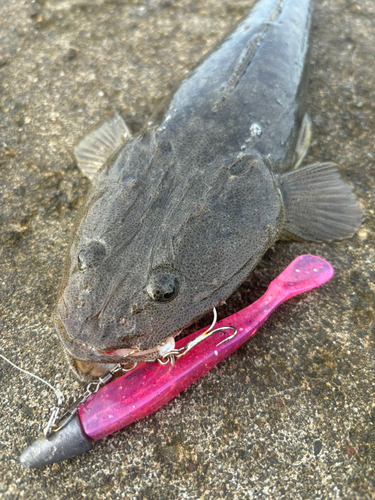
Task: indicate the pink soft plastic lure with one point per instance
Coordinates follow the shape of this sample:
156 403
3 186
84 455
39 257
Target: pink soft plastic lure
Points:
150 386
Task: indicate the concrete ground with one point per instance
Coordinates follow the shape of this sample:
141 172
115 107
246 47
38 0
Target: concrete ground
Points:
292 413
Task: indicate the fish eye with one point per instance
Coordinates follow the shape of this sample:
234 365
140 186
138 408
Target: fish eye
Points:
163 287
91 256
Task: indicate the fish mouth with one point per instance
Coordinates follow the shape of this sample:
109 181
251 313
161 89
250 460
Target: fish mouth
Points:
83 352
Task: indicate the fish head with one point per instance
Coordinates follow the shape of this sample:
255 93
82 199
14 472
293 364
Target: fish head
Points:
152 253
103 321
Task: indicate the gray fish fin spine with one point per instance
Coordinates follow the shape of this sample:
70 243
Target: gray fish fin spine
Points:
303 141
96 148
285 235
319 205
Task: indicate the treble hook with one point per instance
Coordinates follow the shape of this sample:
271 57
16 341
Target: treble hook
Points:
173 354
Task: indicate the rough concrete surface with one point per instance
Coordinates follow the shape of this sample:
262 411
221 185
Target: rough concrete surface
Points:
292 413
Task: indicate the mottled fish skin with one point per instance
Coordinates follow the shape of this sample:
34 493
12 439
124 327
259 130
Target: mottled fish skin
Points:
180 215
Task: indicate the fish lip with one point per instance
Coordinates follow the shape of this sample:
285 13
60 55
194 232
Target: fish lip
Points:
71 345
84 352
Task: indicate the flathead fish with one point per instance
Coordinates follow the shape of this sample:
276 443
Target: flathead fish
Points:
179 215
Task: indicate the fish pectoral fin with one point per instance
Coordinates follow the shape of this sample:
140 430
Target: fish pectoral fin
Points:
303 141
96 148
319 205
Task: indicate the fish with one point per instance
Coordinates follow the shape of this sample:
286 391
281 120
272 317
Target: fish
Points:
178 216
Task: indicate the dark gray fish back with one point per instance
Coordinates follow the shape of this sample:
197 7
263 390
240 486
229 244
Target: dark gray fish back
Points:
249 92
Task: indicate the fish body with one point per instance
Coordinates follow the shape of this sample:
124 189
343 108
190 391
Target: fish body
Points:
179 215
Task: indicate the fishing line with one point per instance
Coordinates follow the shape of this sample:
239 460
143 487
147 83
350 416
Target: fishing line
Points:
59 395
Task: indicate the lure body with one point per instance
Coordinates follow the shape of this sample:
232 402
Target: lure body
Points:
149 387
179 215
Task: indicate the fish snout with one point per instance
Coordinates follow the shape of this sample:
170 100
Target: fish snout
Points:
101 332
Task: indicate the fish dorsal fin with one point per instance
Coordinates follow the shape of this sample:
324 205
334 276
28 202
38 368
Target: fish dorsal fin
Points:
95 149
